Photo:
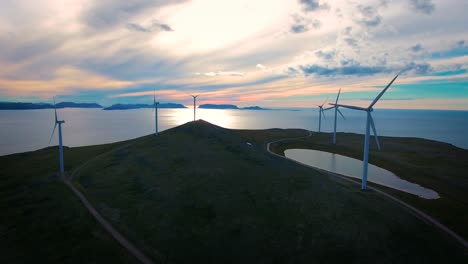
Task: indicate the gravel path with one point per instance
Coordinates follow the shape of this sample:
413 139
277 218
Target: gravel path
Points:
132 249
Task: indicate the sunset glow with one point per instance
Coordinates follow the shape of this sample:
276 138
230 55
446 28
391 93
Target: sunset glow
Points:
269 53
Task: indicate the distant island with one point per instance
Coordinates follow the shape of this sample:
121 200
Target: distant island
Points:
32 106
230 106
139 106
218 106
254 108
77 105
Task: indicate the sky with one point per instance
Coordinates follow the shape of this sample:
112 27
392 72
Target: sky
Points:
272 53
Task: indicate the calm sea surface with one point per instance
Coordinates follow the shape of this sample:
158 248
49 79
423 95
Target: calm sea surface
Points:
27 130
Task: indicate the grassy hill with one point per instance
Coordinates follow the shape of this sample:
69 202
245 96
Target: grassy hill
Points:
41 221
432 164
199 194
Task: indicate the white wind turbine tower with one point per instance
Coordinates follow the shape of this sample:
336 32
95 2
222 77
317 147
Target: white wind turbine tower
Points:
59 123
194 105
336 111
155 110
369 123
320 114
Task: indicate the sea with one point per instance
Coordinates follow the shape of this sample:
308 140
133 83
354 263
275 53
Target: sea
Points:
28 130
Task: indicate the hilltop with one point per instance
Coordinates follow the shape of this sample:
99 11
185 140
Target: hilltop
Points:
202 190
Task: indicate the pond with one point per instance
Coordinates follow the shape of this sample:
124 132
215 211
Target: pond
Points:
353 168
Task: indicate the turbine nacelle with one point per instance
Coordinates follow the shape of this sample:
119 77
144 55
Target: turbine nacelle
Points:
194 104
321 112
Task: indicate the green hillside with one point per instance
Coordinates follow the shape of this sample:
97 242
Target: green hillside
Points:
199 194
41 221
432 164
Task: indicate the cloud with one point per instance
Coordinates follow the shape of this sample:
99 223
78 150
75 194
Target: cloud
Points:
291 71
416 48
105 14
165 27
351 42
326 55
313 5
417 68
368 16
347 31
221 73
155 26
20 48
136 27
457 50
353 68
460 44
62 80
422 6
348 62
301 24
120 46
345 70
298 28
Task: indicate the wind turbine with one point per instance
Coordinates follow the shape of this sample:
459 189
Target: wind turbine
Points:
155 110
59 123
369 123
194 105
320 113
336 111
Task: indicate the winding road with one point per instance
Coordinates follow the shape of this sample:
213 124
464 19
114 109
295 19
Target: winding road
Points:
129 246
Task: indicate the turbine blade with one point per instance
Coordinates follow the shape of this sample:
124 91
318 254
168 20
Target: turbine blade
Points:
350 107
382 92
375 132
323 113
53 131
338 96
324 101
338 110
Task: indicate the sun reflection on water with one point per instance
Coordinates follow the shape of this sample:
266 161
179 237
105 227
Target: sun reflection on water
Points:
222 118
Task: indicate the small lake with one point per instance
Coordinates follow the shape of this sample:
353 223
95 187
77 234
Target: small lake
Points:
353 168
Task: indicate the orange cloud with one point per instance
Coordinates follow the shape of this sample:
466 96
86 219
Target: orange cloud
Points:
63 80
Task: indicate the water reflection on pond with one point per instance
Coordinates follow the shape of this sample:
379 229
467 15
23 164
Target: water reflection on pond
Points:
353 168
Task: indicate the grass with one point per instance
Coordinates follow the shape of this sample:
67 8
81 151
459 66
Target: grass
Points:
41 221
435 165
198 193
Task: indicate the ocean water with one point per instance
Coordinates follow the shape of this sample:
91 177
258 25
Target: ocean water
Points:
27 130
